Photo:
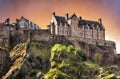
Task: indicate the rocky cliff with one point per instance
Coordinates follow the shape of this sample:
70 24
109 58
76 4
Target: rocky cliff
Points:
48 60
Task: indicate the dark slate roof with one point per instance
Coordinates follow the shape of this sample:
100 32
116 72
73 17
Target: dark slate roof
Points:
60 19
90 23
74 15
36 26
24 18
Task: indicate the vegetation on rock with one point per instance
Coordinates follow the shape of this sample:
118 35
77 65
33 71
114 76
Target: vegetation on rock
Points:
97 58
66 62
47 60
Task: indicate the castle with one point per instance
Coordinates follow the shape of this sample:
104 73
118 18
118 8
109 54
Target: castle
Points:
86 35
77 27
6 29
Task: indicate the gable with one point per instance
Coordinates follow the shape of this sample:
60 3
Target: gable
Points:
22 24
73 20
74 16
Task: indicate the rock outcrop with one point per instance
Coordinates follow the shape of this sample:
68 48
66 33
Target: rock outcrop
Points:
48 60
28 61
4 61
69 63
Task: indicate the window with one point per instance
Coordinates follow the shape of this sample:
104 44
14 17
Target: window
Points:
33 26
29 23
22 24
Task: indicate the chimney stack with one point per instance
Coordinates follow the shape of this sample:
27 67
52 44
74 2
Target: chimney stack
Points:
7 21
17 20
53 13
100 21
80 17
66 16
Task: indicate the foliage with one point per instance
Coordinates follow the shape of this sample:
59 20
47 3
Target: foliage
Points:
64 60
97 58
70 49
53 74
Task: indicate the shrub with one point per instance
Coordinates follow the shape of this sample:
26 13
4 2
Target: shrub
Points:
97 58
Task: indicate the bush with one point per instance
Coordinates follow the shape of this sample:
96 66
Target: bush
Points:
97 58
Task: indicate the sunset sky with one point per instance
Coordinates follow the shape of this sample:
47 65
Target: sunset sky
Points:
39 11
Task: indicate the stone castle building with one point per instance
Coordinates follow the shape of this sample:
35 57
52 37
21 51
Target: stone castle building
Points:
86 35
6 29
25 24
76 27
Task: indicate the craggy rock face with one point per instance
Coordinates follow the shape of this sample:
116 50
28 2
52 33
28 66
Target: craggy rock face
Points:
118 60
107 53
38 61
4 61
3 55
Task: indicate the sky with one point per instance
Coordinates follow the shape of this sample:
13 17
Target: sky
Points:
39 12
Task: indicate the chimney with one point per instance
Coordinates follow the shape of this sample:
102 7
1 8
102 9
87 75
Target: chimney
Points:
80 18
100 21
7 21
53 13
66 16
17 20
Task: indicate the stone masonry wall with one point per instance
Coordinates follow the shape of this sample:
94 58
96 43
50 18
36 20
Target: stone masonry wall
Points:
106 48
90 48
39 35
95 42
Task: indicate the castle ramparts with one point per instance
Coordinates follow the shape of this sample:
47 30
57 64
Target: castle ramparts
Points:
89 36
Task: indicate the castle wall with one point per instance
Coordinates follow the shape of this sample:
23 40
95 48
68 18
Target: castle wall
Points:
74 27
40 35
4 36
61 29
118 59
101 35
52 28
81 31
89 33
95 33
94 42
64 29
106 49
